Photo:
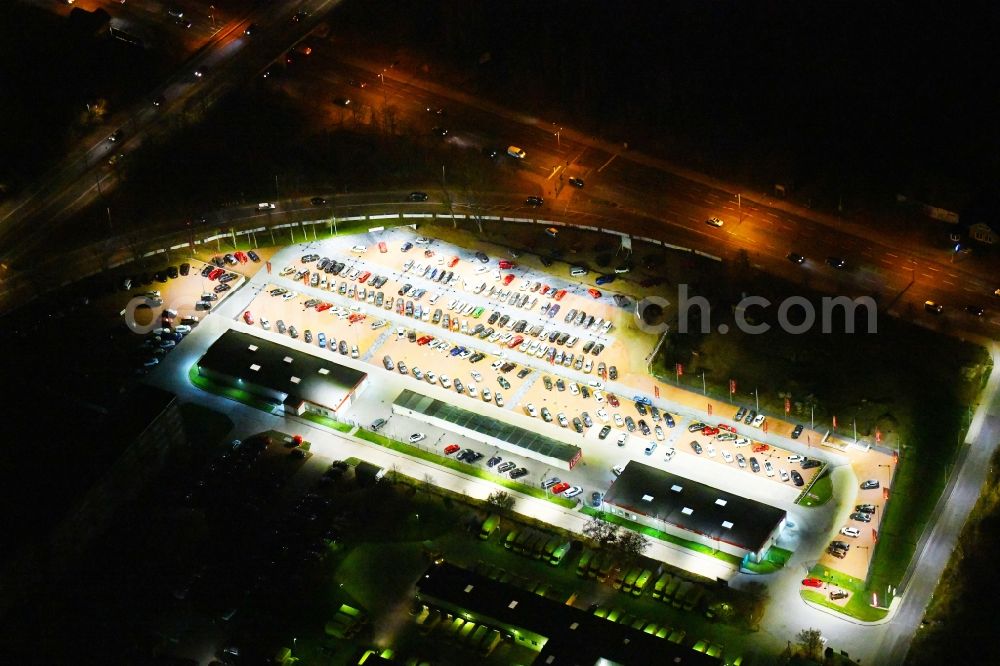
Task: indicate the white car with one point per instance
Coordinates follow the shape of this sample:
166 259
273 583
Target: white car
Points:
431 377
417 437
794 458
670 454
727 456
472 390
618 469
573 388
530 410
783 474
475 375
619 421
487 396
768 468
588 366
622 437
742 441
573 491
184 329
602 414
289 295
758 421
659 433
264 324
598 396
400 332
359 249
852 532
710 450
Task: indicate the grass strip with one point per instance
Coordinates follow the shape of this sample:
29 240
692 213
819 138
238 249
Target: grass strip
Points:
664 536
239 395
459 466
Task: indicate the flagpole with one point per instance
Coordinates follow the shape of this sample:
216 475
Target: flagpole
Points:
757 398
704 388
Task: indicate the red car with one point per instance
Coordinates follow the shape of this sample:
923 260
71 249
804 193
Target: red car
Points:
216 272
241 256
518 339
506 264
612 399
248 318
356 317
323 306
812 582
560 487
545 289
760 448
364 276
709 431
454 260
507 279
451 448
594 292
559 294
382 248
425 340
723 426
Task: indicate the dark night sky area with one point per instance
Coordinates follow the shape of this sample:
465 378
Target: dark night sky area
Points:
900 92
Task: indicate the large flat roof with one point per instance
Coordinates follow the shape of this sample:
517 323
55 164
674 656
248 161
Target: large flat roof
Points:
490 427
297 375
574 636
694 506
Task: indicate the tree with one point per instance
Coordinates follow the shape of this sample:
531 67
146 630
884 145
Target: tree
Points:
501 501
600 531
630 545
753 602
811 642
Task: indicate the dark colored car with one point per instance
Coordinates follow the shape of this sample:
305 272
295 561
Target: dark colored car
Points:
809 463
534 201
417 196
795 258
696 447
754 465
605 431
317 201
575 182
481 256
797 431
836 262
797 478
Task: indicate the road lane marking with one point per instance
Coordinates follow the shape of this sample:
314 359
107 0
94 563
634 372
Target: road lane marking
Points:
612 159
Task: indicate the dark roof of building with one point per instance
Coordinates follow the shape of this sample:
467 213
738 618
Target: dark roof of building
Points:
574 636
295 374
694 506
513 435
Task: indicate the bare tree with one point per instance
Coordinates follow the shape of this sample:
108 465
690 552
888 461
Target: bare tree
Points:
754 601
810 641
630 545
428 482
600 532
501 501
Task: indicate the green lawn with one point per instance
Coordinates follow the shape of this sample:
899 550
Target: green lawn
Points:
857 606
239 395
774 559
663 536
819 493
459 466
327 421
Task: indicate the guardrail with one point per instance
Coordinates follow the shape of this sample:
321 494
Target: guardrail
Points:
128 252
